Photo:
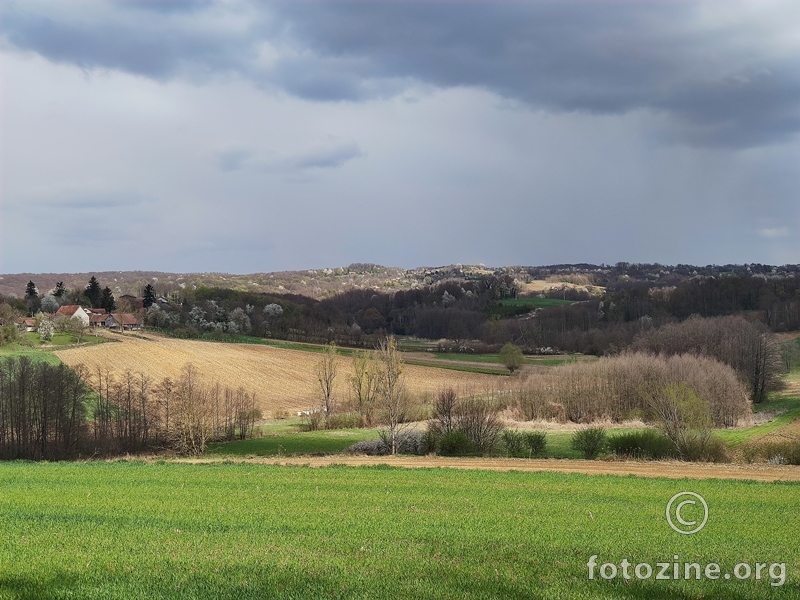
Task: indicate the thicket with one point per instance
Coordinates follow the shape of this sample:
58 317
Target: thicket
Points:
50 412
465 425
620 387
42 410
748 347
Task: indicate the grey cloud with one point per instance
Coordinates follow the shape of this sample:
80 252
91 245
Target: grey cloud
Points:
325 156
606 58
156 47
233 160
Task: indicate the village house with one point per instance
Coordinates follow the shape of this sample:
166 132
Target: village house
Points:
123 321
73 311
27 323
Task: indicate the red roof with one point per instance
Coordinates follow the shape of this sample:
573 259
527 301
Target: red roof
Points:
126 319
68 310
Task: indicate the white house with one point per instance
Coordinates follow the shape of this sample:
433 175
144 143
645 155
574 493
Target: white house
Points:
73 311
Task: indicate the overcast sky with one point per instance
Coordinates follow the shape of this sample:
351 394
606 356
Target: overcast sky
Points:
181 135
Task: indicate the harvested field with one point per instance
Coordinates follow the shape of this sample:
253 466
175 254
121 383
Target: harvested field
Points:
282 379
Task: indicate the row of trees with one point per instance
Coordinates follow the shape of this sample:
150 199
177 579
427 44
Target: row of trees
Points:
42 410
133 412
92 294
378 387
50 412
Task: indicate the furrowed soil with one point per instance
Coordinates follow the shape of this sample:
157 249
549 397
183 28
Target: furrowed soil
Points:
282 379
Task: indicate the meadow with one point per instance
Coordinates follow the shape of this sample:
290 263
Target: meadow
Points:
107 530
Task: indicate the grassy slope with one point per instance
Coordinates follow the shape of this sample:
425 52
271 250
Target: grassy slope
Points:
241 531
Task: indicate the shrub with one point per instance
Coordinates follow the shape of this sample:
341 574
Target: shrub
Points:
536 442
429 442
787 451
514 443
711 449
369 447
647 444
591 441
346 420
456 443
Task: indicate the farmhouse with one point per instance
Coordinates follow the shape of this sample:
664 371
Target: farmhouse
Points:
27 323
75 311
124 321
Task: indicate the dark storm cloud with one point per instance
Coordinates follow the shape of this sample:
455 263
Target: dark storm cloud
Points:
722 85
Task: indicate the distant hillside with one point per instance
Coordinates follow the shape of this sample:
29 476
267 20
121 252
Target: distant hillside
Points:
324 283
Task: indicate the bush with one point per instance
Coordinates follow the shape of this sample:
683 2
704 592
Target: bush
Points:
647 444
429 442
536 442
369 447
514 443
345 420
456 443
712 449
785 452
591 441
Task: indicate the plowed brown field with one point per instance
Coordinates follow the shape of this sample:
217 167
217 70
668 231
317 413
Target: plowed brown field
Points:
282 379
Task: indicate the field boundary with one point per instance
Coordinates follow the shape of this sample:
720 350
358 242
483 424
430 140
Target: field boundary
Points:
654 469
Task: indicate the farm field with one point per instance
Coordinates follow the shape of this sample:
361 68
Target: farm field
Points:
282 379
108 530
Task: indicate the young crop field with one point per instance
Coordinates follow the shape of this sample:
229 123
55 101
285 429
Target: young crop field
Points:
129 530
282 379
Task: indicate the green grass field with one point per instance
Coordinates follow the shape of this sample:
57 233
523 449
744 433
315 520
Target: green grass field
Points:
535 302
310 442
123 530
547 361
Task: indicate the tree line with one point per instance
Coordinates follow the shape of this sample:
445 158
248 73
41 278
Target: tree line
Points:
52 412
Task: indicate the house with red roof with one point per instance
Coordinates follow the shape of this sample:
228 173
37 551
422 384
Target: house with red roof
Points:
73 311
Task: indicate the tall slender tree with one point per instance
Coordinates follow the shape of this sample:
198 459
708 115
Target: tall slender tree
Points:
149 296
107 300
93 292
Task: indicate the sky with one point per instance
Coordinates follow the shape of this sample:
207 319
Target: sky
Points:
236 136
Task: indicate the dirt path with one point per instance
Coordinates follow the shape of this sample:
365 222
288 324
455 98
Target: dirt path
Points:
670 470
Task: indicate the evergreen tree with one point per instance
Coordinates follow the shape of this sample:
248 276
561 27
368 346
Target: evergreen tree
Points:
107 300
59 289
32 298
93 292
149 296
31 293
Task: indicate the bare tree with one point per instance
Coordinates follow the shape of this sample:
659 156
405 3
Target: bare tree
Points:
193 414
445 412
392 394
364 383
326 374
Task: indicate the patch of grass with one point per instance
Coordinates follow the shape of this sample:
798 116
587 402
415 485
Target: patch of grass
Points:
549 361
36 354
114 530
535 302
787 409
310 442
452 367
